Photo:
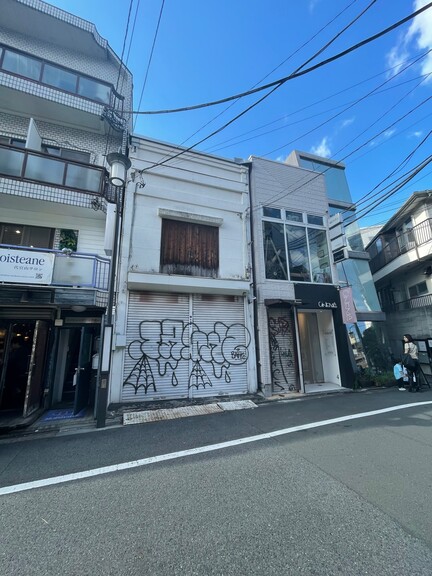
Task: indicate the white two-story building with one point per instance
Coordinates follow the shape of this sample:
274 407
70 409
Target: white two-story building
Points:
184 326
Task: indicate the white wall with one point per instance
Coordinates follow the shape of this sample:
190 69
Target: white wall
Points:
196 185
90 224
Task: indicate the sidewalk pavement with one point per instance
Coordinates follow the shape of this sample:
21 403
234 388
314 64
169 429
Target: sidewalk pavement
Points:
124 414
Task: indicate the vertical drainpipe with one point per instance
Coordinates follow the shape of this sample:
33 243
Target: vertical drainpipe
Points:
255 301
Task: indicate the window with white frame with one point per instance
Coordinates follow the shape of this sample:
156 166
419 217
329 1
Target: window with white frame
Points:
295 246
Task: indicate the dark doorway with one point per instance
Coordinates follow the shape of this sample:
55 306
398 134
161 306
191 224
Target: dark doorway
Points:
22 364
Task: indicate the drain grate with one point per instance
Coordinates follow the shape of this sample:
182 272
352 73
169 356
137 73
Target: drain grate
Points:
184 412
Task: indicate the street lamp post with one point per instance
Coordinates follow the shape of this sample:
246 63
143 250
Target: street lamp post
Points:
119 165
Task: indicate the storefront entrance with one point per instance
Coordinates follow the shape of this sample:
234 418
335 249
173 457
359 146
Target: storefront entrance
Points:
23 348
318 351
74 379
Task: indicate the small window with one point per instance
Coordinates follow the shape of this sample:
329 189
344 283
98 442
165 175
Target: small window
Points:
189 249
75 155
67 154
32 236
418 289
294 216
94 90
271 212
17 143
315 220
22 65
59 78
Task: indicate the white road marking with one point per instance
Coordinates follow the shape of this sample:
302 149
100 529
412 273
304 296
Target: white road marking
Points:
192 451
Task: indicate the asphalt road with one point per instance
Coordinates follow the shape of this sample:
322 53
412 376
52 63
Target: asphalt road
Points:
350 498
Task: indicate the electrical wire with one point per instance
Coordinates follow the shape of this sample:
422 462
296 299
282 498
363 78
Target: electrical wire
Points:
275 87
121 65
218 147
271 71
295 74
416 170
150 60
286 192
398 167
279 65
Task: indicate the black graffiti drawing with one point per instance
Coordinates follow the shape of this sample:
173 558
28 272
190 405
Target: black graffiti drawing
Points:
165 345
281 358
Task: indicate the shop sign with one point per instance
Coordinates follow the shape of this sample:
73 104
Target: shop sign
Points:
322 304
347 304
26 266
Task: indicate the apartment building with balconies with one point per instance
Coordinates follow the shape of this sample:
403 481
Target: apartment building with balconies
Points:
64 102
401 264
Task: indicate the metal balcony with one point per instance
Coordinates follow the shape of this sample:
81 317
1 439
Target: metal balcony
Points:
402 244
410 304
41 168
60 268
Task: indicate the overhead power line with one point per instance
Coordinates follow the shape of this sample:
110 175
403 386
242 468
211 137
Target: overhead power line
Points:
296 74
150 60
275 87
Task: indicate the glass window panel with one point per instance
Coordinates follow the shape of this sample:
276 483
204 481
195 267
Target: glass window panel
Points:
319 256
83 178
271 212
335 179
17 143
317 220
274 251
59 78
76 155
422 288
298 254
22 65
11 162
412 291
94 90
38 237
44 169
294 216
358 275
11 234
51 150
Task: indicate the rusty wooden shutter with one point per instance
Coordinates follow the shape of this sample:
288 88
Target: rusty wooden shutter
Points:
189 248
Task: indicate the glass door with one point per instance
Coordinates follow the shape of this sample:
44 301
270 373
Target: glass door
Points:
310 348
35 373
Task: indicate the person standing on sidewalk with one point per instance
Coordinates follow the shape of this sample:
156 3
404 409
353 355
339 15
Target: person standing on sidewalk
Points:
400 374
411 363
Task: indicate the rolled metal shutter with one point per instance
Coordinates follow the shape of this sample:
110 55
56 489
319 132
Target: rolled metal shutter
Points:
157 342
220 346
27 313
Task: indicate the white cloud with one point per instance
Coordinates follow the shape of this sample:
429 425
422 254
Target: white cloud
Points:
322 149
416 134
419 34
312 5
347 122
389 133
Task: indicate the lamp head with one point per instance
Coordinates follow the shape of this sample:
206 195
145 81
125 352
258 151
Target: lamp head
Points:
119 165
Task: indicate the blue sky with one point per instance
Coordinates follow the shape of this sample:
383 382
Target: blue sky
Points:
209 49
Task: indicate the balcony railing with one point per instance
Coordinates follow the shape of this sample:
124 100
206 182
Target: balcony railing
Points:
63 268
417 302
402 243
38 167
